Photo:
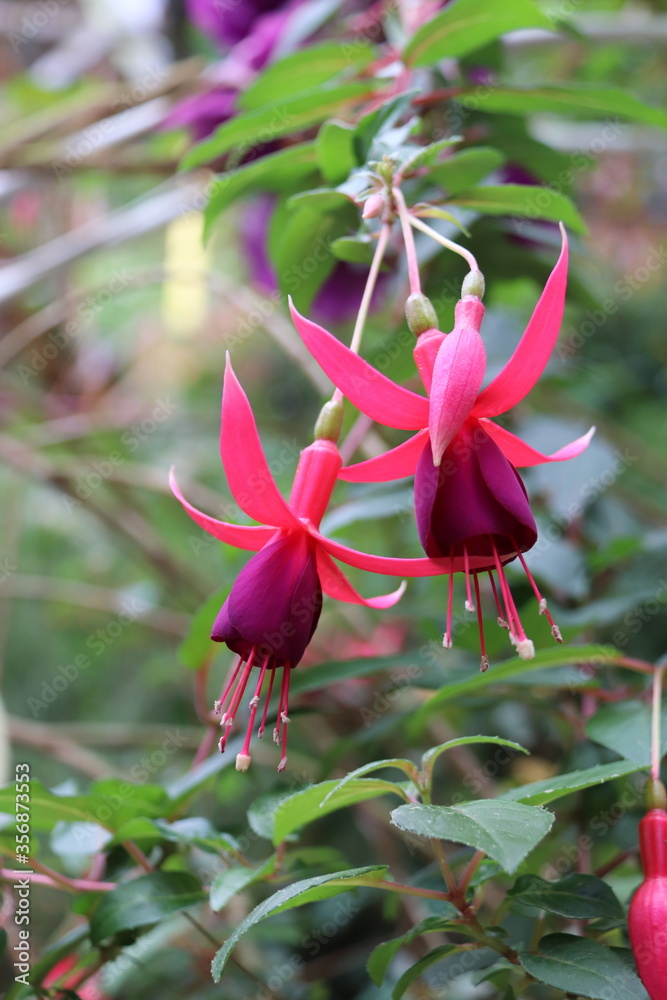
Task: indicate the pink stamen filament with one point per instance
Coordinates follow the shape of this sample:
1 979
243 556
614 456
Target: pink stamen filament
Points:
484 664
254 702
283 717
228 716
262 725
466 562
447 640
544 610
515 632
501 613
220 703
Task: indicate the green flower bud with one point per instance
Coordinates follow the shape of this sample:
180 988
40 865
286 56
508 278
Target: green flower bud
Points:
420 314
330 421
473 284
655 795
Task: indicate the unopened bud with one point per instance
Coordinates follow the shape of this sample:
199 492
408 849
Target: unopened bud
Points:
473 284
420 314
373 206
330 421
655 795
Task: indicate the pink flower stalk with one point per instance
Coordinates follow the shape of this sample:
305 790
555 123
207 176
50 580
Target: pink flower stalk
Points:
647 919
472 511
274 605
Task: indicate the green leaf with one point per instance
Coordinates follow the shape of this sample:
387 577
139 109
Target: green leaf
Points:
324 674
415 971
407 766
280 171
529 201
578 102
335 151
110 804
142 902
430 212
581 897
307 890
466 168
553 657
320 200
467 25
317 801
261 814
380 121
227 884
626 729
505 834
304 70
537 793
194 831
381 956
302 257
196 646
243 132
426 156
431 756
583 968
355 249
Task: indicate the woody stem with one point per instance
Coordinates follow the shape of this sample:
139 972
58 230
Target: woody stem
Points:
655 724
449 244
409 241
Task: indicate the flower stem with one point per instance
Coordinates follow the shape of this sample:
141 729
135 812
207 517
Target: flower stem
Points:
656 754
409 241
362 315
449 244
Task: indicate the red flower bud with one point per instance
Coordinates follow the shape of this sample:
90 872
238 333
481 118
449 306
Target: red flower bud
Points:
647 920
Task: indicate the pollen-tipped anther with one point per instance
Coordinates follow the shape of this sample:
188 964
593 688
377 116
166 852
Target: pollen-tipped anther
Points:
542 606
283 764
525 648
242 761
469 606
556 633
447 641
484 664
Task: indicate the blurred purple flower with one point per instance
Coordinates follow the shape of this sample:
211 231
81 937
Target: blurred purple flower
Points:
229 21
202 113
338 298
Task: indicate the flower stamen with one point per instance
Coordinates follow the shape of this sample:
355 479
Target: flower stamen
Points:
262 725
469 605
447 640
484 662
243 758
542 601
501 613
283 716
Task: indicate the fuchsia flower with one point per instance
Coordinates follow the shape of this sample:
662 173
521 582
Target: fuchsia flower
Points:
647 919
472 511
274 605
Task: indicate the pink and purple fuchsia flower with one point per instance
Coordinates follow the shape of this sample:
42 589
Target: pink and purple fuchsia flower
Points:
273 607
471 507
